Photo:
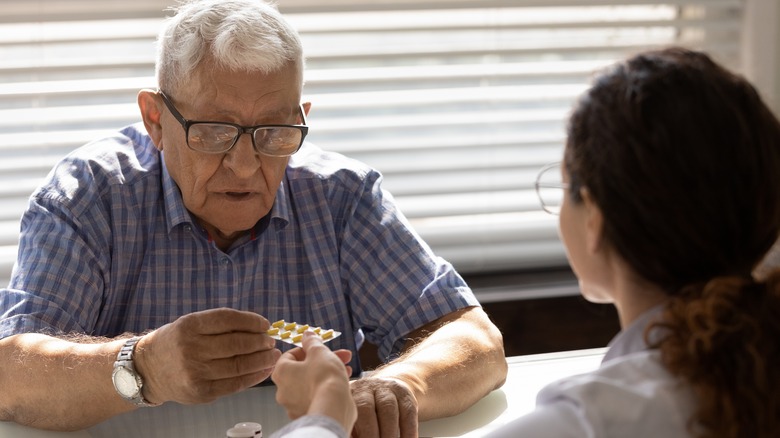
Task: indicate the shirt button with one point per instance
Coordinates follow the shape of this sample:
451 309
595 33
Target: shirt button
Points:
224 261
187 228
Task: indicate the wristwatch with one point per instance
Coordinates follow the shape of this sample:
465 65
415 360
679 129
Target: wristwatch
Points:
127 381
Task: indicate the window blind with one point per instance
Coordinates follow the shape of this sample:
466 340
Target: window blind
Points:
458 103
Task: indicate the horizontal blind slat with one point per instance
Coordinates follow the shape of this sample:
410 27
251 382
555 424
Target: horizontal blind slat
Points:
52 10
311 6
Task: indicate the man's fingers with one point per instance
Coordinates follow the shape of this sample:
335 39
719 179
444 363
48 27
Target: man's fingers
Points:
231 344
387 412
406 408
219 388
408 421
242 365
205 355
386 408
366 425
224 320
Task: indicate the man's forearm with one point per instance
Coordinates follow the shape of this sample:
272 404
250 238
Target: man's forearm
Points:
51 383
460 362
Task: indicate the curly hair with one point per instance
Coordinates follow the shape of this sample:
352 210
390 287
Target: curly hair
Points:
722 340
683 159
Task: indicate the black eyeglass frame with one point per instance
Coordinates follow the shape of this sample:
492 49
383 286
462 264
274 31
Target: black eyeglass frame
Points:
186 124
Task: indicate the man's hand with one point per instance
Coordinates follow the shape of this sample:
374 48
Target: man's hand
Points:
386 409
447 366
205 355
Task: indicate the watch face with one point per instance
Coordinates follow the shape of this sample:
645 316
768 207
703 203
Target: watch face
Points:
124 381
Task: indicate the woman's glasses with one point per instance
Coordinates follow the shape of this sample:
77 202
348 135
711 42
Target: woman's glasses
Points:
550 188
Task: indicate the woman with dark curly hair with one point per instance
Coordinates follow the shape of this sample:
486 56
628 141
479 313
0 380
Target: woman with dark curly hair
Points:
669 197
670 191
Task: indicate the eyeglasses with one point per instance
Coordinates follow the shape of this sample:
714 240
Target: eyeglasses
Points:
220 137
550 188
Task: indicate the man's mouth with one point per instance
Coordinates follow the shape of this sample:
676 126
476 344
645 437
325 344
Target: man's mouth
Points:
238 195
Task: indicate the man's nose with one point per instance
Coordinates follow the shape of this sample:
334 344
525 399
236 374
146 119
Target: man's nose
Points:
242 158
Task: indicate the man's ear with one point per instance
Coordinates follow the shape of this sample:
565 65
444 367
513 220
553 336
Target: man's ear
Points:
306 108
594 223
151 113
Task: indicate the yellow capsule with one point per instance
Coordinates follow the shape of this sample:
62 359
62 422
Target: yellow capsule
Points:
328 334
278 324
290 326
273 331
302 328
317 330
297 338
285 335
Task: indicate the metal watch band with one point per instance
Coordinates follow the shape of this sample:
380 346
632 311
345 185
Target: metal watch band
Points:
127 350
125 359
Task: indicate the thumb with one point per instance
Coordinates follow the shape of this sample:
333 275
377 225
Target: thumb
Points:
311 340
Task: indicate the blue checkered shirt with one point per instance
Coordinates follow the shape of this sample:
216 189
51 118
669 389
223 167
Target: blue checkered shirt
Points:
107 247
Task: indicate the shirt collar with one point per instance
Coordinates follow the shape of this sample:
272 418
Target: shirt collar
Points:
632 338
177 214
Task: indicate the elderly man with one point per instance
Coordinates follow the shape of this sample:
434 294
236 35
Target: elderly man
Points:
159 255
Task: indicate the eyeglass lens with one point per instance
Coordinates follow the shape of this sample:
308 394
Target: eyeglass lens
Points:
550 188
214 137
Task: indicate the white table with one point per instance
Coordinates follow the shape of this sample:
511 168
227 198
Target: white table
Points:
527 375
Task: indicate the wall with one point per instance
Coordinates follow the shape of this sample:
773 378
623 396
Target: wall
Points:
775 99
761 48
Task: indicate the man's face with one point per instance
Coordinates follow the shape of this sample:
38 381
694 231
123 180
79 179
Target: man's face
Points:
230 192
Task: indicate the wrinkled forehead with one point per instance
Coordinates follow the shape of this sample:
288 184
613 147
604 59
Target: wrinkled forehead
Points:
208 77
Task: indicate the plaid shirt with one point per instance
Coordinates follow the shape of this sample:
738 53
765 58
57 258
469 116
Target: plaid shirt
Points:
107 247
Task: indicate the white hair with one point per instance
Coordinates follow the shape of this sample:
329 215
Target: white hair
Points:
236 35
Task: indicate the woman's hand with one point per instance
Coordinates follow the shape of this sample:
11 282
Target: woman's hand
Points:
315 380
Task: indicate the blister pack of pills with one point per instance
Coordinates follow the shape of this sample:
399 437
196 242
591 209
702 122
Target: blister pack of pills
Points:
292 332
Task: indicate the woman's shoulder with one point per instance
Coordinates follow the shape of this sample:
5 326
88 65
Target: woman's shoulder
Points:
633 395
